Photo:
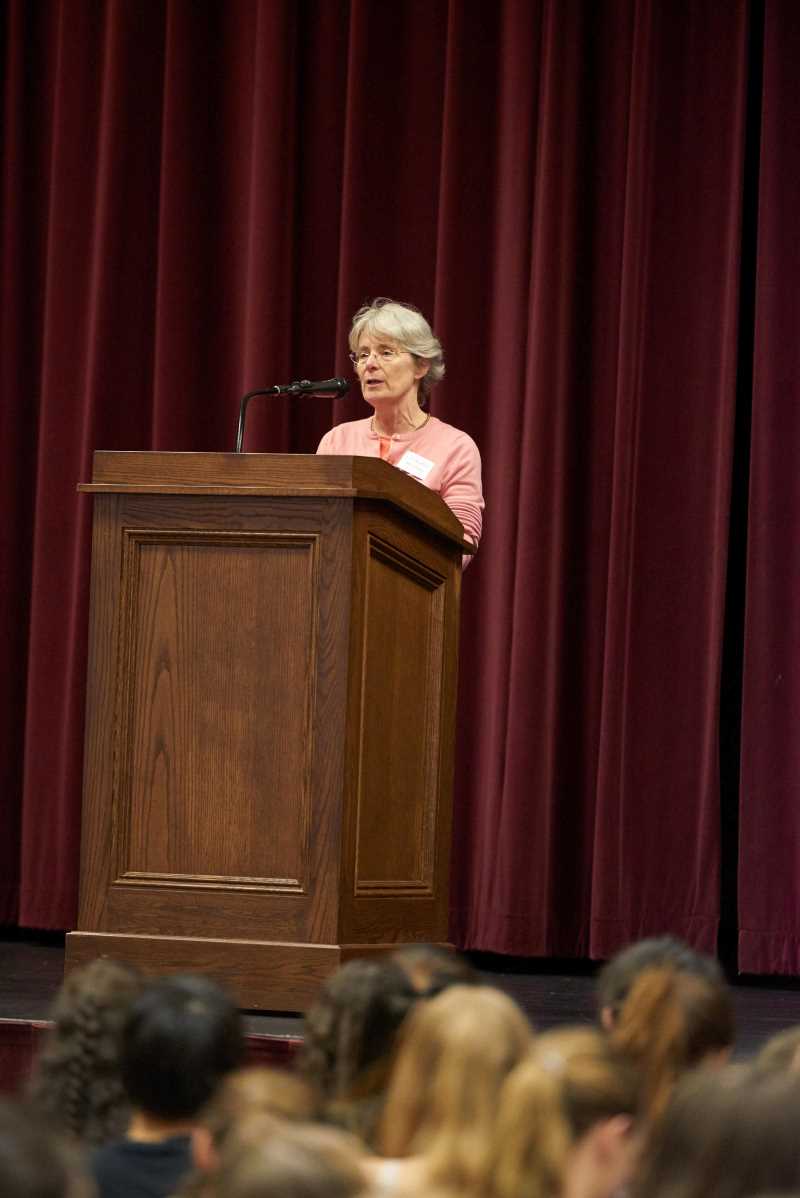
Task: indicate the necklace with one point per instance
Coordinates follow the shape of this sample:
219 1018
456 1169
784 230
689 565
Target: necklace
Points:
414 427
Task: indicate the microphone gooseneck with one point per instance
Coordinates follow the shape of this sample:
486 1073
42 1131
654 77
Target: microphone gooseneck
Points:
324 387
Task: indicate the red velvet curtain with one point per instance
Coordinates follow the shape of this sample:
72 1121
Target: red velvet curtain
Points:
769 856
194 200
597 624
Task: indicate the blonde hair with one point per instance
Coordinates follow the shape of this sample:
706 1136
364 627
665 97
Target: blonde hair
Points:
570 1081
781 1051
456 1052
530 1141
596 1082
405 325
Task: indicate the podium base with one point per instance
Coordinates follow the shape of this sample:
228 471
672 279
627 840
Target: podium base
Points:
261 975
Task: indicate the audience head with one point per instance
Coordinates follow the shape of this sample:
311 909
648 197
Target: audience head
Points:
615 979
350 1034
566 1120
526 1151
781 1051
285 1161
181 1037
455 1053
76 1079
730 1134
242 1096
670 1022
34 1163
431 968
601 1097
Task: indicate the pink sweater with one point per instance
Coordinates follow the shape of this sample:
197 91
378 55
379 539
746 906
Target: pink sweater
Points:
438 455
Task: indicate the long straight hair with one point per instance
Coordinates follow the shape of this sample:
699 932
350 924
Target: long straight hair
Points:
455 1054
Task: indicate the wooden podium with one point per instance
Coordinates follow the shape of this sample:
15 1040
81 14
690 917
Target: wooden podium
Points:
270 717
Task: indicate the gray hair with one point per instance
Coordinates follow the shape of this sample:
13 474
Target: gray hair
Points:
404 324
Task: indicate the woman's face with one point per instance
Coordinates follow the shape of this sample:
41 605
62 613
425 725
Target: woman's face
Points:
389 375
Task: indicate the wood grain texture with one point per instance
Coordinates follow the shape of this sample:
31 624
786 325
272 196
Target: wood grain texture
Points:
400 733
259 975
270 718
219 640
275 473
215 760
400 711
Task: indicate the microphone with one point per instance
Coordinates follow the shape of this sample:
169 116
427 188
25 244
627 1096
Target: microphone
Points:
336 387
306 387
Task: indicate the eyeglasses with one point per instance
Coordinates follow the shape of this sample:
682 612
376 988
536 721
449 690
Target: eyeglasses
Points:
383 354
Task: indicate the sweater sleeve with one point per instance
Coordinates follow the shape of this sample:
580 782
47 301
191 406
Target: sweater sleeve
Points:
462 490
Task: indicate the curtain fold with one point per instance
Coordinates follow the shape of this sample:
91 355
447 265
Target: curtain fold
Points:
599 808
195 199
769 878
658 757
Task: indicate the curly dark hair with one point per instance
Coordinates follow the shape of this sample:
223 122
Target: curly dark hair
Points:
349 1040
76 1081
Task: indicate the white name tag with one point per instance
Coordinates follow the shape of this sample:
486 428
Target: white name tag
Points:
415 465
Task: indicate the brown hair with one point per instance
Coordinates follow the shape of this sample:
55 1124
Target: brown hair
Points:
456 1052
669 1022
431 968
76 1080
731 1133
289 1162
349 1042
617 976
256 1091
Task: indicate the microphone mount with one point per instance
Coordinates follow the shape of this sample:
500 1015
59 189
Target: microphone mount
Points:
336 387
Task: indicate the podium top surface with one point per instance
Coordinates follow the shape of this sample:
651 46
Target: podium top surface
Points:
272 474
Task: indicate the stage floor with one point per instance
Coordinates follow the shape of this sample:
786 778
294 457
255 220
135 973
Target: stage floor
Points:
551 993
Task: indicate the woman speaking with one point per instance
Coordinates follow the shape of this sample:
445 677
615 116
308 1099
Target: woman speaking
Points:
398 360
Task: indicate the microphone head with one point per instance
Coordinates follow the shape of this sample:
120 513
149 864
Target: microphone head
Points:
337 387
